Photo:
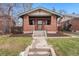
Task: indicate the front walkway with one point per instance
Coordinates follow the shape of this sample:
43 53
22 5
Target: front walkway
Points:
39 39
39 46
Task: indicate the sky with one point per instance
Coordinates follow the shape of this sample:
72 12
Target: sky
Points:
68 7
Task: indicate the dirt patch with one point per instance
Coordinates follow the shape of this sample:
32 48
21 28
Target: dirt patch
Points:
21 35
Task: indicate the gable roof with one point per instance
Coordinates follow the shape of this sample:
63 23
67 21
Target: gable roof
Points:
40 8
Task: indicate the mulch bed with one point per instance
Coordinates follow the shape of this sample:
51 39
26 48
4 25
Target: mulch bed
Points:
21 35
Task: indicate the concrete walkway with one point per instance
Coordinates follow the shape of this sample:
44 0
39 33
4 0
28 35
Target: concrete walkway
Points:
39 42
39 39
39 46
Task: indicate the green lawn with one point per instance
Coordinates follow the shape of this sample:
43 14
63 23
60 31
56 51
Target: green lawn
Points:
12 46
65 46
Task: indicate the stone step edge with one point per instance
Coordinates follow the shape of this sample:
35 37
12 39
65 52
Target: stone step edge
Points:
38 55
26 52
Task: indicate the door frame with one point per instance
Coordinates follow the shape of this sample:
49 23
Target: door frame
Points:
36 23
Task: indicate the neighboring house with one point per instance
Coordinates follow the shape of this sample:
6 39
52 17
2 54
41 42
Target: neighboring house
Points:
40 19
6 24
70 22
75 24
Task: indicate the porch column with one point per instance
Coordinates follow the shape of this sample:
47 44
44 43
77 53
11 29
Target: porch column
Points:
26 24
43 26
36 23
54 24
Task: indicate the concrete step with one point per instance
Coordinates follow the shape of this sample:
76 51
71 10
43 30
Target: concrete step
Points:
39 52
39 34
39 49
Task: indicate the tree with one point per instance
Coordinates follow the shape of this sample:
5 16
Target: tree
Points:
10 11
1 9
54 9
73 13
62 11
22 8
27 6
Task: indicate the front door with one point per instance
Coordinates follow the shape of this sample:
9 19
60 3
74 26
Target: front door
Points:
39 24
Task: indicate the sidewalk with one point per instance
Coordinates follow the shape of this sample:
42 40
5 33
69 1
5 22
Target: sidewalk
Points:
71 35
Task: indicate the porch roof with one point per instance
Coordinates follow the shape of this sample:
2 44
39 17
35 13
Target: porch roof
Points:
38 8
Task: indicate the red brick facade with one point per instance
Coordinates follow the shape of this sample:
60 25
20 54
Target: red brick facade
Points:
52 28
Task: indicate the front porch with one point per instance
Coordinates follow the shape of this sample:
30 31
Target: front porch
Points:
39 22
47 23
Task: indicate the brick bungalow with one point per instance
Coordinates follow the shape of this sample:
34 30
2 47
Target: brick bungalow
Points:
40 19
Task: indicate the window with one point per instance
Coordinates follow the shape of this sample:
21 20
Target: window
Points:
39 22
31 22
19 22
48 21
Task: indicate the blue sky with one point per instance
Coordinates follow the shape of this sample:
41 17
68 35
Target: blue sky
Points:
68 7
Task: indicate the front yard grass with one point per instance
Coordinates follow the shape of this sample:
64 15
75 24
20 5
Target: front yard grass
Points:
65 46
12 46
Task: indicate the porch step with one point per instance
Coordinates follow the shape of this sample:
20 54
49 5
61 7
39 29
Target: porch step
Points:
39 52
38 55
39 34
